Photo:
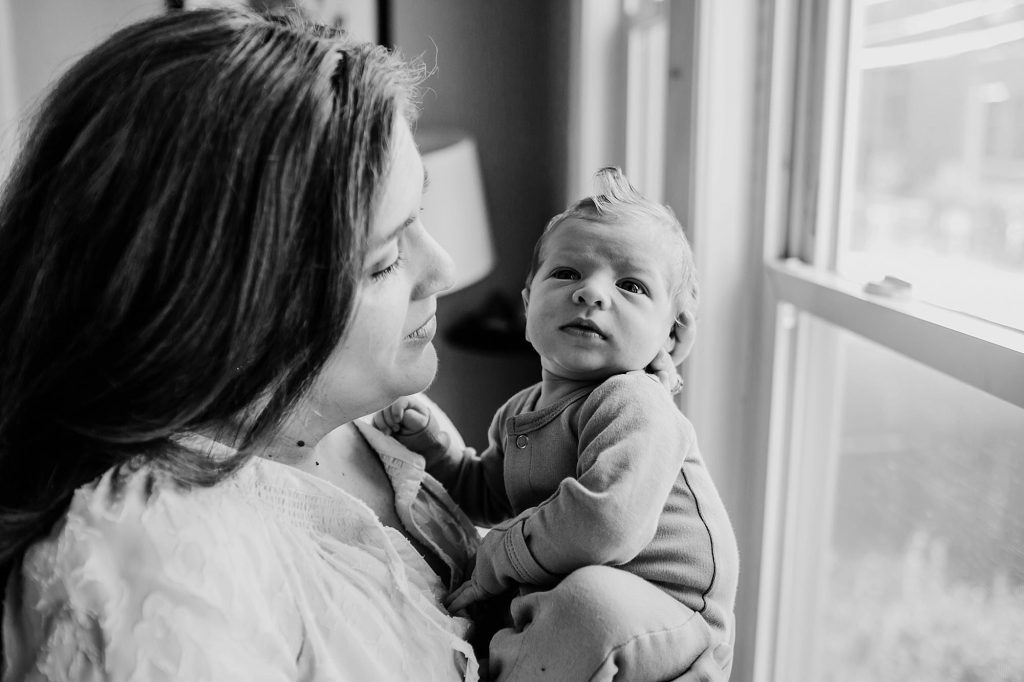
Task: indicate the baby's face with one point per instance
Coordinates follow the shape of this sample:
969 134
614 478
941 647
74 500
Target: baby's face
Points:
602 301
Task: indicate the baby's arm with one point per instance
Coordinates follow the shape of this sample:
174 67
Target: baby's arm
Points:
475 482
632 446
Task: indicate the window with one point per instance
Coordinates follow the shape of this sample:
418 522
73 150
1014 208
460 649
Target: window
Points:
935 152
906 544
894 531
647 61
619 80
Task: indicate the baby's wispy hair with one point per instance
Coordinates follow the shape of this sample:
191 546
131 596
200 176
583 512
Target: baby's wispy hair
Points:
616 200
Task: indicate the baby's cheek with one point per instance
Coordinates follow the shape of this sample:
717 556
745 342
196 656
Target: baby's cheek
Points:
647 348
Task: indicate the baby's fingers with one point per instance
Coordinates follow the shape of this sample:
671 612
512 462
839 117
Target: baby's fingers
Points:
465 594
382 422
414 420
664 369
662 362
396 412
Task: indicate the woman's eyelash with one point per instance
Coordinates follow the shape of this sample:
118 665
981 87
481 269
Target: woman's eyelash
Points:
389 270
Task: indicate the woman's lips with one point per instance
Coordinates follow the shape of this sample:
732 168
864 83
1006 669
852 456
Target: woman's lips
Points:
424 332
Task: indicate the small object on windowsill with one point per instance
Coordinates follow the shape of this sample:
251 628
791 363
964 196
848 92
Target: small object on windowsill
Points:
889 287
497 326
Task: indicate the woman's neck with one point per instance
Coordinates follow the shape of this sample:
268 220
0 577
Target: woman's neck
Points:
344 459
292 443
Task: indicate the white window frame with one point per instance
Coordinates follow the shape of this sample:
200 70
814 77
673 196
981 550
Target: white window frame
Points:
727 193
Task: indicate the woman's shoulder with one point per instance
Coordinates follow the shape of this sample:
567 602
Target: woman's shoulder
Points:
140 522
152 571
138 532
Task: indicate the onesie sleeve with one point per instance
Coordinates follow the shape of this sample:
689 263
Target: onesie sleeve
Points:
477 482
632 445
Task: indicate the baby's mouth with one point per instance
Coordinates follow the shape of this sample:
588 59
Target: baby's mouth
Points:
583 326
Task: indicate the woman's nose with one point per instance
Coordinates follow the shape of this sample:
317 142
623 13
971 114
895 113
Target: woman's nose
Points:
590 294
438 272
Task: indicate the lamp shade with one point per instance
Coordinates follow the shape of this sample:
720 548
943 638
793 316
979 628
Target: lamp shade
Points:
454 206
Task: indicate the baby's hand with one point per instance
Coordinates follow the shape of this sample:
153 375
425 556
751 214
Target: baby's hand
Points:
409 421
664 368
489 576
463 596
406 416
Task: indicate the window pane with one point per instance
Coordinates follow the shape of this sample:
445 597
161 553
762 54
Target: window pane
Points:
918 513
935 185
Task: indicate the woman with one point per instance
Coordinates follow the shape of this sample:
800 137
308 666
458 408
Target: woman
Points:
211 258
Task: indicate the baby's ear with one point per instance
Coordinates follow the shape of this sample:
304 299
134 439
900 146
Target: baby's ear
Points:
681 337
526 306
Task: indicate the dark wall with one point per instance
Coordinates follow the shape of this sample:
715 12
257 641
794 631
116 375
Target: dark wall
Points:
502 75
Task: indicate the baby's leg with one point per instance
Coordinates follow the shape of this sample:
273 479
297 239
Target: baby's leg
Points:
598 624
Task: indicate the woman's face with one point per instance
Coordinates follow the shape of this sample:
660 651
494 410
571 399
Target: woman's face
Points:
387 351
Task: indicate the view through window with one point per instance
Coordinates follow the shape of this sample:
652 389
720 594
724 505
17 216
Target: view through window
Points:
923 555
936 142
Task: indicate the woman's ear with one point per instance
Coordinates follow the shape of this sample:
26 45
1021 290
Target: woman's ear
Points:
681 337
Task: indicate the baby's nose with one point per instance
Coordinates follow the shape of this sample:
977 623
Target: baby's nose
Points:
589 295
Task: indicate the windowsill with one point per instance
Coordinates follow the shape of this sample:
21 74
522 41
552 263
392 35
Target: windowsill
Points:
983 354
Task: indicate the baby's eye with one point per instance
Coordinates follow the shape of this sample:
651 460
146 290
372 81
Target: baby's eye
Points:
632 286
564 273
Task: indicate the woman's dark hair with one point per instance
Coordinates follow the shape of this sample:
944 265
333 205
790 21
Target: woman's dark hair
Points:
181 242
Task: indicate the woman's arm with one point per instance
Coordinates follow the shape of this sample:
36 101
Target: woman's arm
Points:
711 666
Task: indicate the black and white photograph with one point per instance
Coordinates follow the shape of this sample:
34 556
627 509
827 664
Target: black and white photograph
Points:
512 340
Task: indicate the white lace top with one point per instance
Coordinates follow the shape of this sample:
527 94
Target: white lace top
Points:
272 575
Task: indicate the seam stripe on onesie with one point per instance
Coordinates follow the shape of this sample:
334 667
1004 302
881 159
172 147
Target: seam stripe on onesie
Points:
711 538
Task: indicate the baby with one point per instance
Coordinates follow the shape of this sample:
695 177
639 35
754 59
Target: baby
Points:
595 464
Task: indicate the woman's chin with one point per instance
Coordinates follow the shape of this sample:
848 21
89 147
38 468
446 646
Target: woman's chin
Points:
421 371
